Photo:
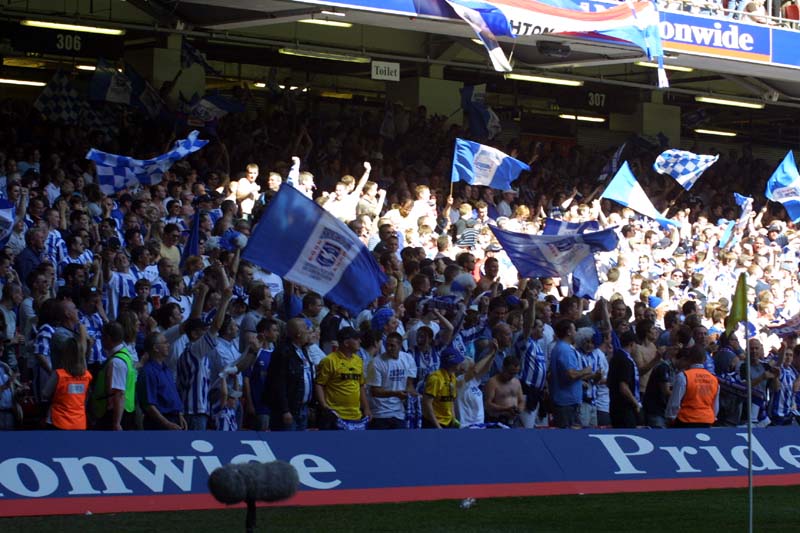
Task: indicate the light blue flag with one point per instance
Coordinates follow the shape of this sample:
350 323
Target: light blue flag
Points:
585 281
487 21
117 172
110 85
784 187
298 240
685 167
211 107
557 255
625 190
478 164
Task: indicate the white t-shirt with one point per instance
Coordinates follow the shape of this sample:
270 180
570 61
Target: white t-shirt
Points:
390 374
469 402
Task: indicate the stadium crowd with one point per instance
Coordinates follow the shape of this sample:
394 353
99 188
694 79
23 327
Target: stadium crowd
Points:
107 324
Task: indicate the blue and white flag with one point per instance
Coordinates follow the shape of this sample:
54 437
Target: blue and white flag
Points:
625 190
585 281
612 166
746 203
109 84
685 167
192 56
483 122
556 255
8 212
300 241
117 172
478 164
144 96
487 21
211 107
784 187
636 21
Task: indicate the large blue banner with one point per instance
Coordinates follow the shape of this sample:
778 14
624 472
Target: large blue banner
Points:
75 472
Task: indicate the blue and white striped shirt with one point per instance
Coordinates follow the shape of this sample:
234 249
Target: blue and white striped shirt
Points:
94 328
194 370
158 287
783 399
85 258
55 249
120 285
533 371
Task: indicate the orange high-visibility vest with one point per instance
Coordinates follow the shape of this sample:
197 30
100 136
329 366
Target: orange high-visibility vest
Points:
697 405
68 408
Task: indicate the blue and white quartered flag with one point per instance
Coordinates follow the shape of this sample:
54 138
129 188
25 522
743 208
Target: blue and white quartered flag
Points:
556 255
117 172
784 187
685 167
585 281
478 164
300 241
109 84
192 56
487 21
144 96
625 190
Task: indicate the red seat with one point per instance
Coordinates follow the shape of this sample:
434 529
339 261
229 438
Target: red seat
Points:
791 12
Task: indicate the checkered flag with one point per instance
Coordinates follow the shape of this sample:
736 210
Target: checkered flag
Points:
60 102
117 172
684 167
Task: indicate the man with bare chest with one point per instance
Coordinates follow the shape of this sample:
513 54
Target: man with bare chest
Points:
645 353
503 394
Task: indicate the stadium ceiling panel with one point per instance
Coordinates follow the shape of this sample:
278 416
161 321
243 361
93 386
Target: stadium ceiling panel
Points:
252 31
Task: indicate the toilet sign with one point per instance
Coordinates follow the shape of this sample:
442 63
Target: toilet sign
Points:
384 70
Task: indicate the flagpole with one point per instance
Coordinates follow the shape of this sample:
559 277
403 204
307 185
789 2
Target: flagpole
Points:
749 431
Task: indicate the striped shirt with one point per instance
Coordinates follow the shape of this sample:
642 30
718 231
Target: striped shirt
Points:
55 249
150 272
783 399
120 285
427 363
94 328
194 370
533 371
85 258
44 335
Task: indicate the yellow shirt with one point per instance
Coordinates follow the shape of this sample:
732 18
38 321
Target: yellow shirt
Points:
442 386
342 378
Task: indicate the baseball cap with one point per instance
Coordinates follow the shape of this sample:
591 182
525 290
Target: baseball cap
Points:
451 357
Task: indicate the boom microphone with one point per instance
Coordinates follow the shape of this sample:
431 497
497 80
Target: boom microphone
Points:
266 482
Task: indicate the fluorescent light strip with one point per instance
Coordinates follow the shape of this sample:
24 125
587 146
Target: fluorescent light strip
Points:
323 55
260 85
85 67
582 118
28 83
542 79
719 133
676 68
337 95
477 41
333 13
323 22
71 27
725 101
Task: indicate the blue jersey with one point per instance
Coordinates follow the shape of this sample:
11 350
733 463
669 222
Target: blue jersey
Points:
194 369
257 376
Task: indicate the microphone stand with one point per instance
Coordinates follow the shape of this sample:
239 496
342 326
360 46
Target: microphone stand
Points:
250 521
